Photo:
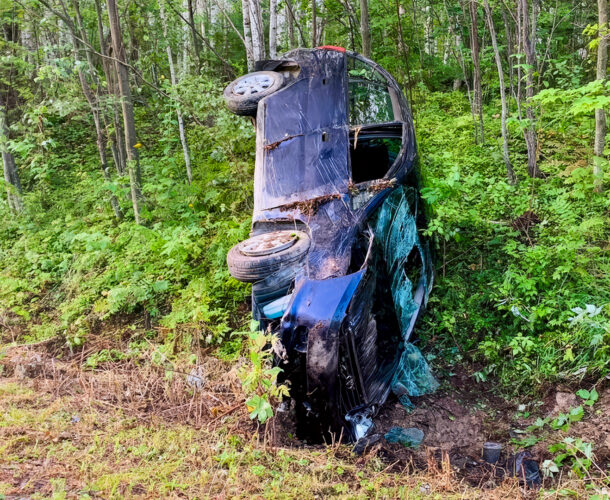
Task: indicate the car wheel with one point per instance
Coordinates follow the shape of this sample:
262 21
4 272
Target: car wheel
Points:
243 95
262 255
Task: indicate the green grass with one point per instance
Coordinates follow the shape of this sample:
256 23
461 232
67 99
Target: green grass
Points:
502 302
113 455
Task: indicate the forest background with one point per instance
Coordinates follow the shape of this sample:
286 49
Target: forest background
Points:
126 180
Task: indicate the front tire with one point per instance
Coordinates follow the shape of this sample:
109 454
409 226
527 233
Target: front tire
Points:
256 258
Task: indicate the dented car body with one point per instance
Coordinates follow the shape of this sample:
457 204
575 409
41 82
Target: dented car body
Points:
339 268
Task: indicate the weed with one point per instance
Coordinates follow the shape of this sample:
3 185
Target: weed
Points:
259 377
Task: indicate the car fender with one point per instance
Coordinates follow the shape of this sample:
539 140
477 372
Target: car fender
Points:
318 307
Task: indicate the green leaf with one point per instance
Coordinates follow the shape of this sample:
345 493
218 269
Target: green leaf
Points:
576 414
160 286
259 408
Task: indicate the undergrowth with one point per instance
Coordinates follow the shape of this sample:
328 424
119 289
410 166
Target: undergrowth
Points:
523 274
68 268
523 271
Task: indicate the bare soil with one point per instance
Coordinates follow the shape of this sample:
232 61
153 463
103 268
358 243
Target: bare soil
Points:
461 416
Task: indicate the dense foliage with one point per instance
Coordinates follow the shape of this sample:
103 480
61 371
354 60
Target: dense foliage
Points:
523 274
515 262
69 267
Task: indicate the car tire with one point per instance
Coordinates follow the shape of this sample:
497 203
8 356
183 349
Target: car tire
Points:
258 257
243 94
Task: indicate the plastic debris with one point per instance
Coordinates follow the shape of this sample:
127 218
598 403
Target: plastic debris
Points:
410 437
365 443
361 423
276 309
413 376
196 378
526 468
491 452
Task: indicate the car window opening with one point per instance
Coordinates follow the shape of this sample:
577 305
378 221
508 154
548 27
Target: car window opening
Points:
371 98
372 157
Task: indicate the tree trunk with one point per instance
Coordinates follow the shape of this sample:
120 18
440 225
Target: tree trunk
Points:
133 162
600 114
476 64
365 28
117 143
510 174
529 46
509 50
172 73
314 23
11 175
459 56
272 29
94 105
290 24
196 40
322 26
256 25
405 53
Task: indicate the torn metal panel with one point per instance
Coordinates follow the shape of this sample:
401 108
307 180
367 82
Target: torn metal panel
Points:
312 112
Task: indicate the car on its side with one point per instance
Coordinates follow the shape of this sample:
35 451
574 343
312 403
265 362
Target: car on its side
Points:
338 266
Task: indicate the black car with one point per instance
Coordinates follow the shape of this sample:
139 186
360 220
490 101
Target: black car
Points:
339 269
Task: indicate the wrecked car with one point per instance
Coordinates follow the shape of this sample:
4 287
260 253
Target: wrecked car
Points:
338 266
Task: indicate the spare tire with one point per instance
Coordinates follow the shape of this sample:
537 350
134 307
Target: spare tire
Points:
256 258
242 95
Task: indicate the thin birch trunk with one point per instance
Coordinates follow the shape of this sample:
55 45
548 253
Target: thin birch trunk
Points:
459 55
405 53
290 25
11 175
353 22
365 28
509 51
510 173
256 25
322 26
272 29
133 163
93 101
529 45
314 23
600 114
245 9
117 143
172 73
237 32
476 64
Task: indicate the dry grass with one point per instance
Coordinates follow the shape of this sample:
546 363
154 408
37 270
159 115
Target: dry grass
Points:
137 431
